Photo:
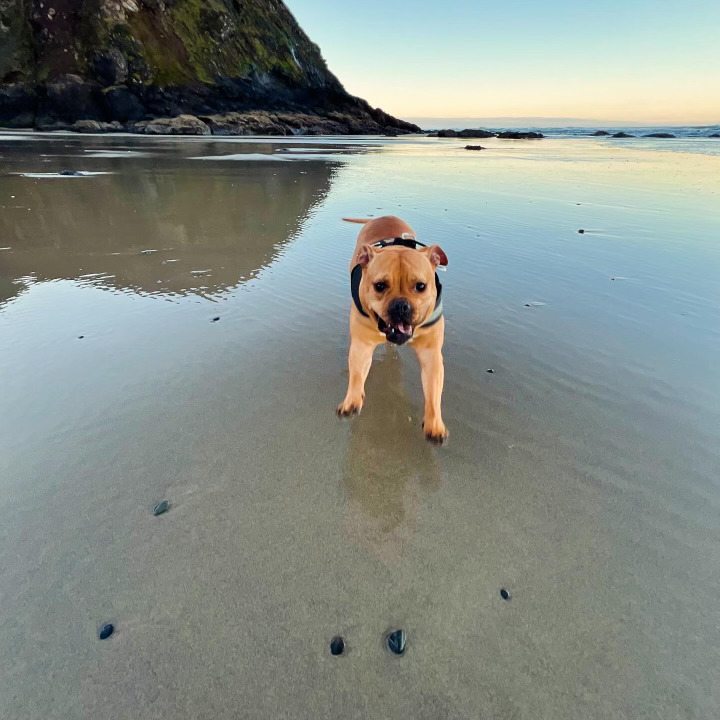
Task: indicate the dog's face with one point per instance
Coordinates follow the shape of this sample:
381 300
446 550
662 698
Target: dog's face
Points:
398 287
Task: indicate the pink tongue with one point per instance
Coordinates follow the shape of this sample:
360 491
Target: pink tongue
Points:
404 329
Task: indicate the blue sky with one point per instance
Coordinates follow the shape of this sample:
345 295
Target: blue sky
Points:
632 60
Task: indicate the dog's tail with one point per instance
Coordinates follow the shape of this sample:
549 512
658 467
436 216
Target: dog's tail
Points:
362 221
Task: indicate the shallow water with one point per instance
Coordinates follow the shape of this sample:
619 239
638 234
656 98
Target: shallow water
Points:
582 475
688 138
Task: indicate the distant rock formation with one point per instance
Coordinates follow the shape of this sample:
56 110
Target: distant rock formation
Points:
660 135
513 135
469 133
599 133
475 133
134 61
623 135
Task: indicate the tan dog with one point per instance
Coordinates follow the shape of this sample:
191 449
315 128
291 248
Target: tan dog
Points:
395 293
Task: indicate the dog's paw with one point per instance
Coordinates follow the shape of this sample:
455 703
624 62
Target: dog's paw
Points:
435 432
348 408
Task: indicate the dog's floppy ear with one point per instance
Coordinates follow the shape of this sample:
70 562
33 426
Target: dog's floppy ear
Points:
436 255
366 254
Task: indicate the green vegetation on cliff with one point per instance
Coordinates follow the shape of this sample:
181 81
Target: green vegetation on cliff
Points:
130 60
168 42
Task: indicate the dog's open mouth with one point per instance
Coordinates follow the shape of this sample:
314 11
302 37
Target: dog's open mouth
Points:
397 333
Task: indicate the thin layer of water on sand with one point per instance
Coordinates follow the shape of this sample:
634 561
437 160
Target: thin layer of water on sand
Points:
177 330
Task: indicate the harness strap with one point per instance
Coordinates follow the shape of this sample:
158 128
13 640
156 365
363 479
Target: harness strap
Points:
356 279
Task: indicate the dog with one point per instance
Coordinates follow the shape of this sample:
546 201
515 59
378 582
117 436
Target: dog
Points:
396 298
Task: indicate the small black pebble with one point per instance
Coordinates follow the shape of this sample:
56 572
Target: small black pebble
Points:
337 646
80 337
106 631
397 642
215 319
528 305
161 507
581 232
490 370
504 594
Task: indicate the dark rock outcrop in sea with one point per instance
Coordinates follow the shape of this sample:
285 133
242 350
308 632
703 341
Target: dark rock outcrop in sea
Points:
91 65
513 135
475 134
660 135
715 135
622 135
599 133
468 133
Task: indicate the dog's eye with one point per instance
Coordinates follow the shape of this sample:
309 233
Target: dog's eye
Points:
380 287
420 287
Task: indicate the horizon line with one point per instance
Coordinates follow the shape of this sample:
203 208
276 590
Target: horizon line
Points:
565 119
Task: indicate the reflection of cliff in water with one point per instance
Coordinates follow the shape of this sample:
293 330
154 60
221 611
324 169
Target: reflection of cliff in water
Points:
228 221
8 288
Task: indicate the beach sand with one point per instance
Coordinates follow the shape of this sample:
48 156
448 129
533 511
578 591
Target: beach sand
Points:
582 475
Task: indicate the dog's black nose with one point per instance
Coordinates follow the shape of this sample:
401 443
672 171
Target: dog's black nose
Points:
400 311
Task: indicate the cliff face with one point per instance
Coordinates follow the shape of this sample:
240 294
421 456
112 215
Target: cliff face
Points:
133 60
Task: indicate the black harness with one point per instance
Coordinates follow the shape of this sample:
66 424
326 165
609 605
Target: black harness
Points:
356 278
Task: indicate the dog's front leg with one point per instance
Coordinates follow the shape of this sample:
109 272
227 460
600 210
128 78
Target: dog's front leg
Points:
433 376
359 362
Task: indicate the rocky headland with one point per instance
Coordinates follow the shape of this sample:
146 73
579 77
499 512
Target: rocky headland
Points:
172 67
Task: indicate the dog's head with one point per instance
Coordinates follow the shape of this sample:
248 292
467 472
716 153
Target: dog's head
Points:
398 287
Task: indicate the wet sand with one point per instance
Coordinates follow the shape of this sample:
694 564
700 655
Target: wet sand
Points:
582 475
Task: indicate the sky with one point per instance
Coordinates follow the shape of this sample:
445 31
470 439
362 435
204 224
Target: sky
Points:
633 60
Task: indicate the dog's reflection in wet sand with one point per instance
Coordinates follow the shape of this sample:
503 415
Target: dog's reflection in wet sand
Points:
389 464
